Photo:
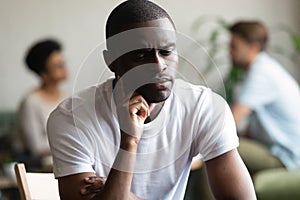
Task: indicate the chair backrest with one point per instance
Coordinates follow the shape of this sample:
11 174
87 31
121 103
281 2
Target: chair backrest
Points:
36 186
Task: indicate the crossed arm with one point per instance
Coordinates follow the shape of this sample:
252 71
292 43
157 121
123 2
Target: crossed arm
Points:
85 186
117 185
227 174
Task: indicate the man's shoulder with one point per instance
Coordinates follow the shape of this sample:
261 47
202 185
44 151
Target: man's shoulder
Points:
267 62
190 92
196 97
187 87
85 98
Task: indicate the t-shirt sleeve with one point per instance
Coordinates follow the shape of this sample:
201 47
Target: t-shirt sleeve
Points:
257 88
216 132
70 146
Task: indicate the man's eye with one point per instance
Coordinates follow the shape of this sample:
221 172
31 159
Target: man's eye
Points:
165 52
139 56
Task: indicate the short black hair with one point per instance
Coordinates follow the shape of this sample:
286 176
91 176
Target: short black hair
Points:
38 54
133 11
251 31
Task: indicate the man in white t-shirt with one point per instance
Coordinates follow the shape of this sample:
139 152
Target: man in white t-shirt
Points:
141 129
271 96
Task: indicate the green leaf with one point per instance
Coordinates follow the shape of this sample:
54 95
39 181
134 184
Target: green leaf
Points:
214 36
223 23
296 41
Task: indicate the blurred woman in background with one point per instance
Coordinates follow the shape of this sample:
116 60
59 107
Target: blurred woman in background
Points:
44 59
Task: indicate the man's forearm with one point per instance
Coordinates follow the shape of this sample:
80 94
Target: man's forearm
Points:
119 180
132 114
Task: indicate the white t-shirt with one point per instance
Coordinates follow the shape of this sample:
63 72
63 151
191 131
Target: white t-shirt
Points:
274 96
84 136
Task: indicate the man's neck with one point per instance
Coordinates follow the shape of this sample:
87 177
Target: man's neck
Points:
252 58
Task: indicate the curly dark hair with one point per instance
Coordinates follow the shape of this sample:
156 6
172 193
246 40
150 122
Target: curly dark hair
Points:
38 54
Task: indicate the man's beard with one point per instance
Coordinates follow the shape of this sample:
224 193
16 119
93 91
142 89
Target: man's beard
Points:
154 95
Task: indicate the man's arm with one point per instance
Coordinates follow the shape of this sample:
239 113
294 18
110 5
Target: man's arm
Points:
117 185
80 186
119 180
229 178
70 186
240 112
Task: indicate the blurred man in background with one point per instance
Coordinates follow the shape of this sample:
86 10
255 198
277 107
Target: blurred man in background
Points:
271 96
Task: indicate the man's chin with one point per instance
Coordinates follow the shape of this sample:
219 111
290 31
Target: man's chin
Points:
155 97
155 93
156 100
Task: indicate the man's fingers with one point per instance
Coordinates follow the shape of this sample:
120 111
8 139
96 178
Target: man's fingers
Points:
137 106
139 109
138 99
95 179
93 185
88 190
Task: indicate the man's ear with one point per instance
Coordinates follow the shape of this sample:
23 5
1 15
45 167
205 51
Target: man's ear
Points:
108 60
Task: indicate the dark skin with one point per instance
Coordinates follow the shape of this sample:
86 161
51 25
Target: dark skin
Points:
161 56
228 176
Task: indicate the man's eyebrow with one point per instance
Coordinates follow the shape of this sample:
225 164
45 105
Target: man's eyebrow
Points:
167 46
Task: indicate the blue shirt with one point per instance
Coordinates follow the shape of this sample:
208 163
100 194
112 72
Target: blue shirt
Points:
274 96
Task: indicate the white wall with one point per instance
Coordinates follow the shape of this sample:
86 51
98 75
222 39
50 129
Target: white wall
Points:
79 25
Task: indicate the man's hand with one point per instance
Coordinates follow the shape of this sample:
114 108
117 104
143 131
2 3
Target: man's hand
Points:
139 110
132 111
95 184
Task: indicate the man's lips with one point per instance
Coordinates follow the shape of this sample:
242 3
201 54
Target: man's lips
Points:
156 82
161 84
161 80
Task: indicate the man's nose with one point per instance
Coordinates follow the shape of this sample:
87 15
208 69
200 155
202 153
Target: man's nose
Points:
159 62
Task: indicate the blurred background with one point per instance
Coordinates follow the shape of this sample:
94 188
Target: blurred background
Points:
79 26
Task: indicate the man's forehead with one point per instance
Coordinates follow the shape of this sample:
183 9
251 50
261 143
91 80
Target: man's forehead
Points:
152 37
139 38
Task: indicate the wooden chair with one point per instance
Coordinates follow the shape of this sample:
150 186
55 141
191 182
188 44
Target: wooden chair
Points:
36 186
